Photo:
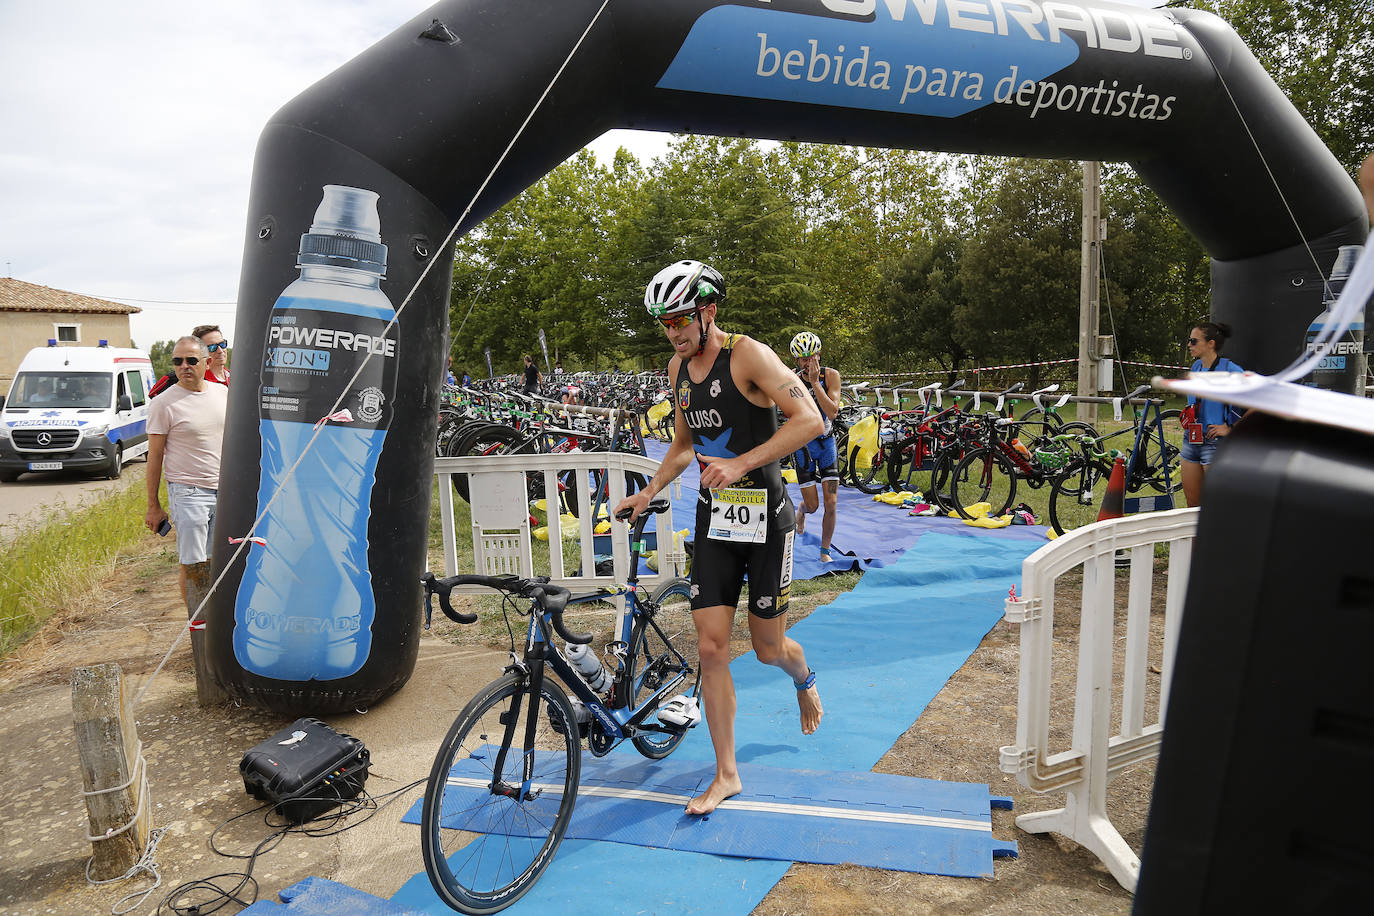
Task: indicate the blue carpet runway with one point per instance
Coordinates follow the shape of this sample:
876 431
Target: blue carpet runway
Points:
881 653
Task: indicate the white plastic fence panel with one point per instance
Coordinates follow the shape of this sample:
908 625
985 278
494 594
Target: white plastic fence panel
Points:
1084 770
503 540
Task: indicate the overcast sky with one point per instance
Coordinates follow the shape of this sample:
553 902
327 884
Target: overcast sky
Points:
127 132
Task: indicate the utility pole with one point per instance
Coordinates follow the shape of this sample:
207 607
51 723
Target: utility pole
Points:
1091 347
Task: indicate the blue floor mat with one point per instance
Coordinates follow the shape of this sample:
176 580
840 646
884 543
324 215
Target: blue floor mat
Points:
589 878
881 652
867 534
829 818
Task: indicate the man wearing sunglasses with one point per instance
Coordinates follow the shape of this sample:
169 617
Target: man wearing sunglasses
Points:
218 348
185 429
725 388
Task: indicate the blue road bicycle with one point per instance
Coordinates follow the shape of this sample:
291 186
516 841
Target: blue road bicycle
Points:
504 782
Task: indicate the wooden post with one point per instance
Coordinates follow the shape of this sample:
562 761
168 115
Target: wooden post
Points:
108 743
198 582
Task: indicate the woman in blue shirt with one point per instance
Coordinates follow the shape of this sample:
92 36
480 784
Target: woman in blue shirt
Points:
1215 418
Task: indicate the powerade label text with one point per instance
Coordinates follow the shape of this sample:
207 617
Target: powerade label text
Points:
312 356
332 338
941 58
296 358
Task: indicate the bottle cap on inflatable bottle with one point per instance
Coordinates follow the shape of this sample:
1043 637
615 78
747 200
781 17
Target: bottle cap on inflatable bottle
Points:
346 232
1346 256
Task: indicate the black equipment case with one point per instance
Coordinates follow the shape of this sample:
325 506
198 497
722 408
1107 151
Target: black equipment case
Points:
305 769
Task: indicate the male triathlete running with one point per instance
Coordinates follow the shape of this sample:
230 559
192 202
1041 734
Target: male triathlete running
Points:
816 460
725 387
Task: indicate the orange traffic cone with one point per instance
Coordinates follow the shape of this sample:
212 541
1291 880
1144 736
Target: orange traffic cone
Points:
1114 502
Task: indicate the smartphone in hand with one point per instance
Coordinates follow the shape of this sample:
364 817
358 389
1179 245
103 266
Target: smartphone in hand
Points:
165 527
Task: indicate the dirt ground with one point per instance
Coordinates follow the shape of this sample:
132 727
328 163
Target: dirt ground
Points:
193 753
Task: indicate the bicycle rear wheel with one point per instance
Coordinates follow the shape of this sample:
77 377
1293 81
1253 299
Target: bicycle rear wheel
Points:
483 439
1076 497
483 850
871 479
663 646
1157 466
984 476
942 476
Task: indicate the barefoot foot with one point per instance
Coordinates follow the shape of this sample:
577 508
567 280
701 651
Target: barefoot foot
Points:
801 523
720 789
809 702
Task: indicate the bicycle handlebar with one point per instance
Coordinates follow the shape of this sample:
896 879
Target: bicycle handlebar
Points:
1137 393
552 599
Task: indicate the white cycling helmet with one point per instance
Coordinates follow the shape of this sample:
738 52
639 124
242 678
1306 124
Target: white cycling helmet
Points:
805 344
682 287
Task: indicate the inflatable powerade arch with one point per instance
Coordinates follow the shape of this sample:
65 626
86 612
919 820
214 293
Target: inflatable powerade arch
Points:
360 179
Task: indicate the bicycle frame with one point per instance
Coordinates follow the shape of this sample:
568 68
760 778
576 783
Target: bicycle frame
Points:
618 723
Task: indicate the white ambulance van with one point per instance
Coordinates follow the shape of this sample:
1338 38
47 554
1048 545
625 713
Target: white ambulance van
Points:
79 408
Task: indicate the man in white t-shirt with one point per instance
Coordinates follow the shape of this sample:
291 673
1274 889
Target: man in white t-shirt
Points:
185 429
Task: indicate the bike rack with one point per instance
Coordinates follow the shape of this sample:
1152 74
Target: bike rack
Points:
1095 756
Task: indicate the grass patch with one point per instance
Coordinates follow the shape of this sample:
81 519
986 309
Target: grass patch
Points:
46 568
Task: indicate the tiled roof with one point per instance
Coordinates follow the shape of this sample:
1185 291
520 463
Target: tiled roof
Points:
18 296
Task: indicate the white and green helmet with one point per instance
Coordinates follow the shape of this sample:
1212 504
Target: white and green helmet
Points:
683 287
805 344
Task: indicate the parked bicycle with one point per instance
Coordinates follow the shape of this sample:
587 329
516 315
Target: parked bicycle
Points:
505 780
1014 452
1151 463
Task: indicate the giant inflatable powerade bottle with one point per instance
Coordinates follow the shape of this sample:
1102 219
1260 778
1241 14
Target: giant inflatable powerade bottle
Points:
1342 367
305 607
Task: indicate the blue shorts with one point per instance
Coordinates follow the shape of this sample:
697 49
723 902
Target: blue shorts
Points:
192 510
1200 452
816 461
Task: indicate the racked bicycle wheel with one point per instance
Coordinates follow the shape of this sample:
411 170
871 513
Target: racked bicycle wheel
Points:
1161 468
942 477
1076 498
485 843
870 478
984 476
663 647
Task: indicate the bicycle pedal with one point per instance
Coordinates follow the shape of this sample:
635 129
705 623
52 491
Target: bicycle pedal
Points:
682 711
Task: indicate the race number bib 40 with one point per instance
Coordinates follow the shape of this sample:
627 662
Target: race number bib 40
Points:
739 515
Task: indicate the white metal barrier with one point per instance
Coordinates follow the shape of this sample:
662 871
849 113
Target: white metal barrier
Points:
503 539
1084 770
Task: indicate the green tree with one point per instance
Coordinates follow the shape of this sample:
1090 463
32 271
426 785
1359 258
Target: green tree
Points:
718 200
1156 277
919 295
161 355
537 263
1319 53
1020 268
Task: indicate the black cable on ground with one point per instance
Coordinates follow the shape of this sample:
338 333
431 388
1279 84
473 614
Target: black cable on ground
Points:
245 893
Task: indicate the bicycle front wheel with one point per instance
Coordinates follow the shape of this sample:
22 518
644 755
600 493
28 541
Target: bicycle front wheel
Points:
485 844
663 647
984 476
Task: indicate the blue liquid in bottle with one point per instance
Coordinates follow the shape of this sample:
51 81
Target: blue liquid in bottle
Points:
305 606
1342 367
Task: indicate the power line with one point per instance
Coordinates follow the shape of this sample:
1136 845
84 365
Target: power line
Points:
163 301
